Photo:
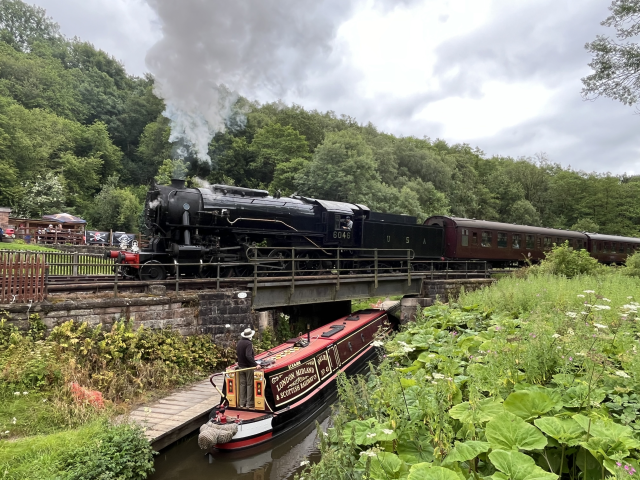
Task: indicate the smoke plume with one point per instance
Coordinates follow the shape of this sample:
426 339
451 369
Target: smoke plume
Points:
214 50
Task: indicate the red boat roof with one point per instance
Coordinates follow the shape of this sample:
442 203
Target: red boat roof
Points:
287 353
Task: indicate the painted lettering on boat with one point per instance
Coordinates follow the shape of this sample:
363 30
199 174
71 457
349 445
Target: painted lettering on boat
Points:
295 382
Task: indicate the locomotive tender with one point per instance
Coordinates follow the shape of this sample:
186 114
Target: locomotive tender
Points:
198 228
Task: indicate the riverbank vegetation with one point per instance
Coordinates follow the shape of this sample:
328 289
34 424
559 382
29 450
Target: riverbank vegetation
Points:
60 395
535 377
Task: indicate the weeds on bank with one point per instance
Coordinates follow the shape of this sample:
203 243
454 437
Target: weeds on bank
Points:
533 378
45 382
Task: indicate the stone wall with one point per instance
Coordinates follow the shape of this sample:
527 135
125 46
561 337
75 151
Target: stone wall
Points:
222 314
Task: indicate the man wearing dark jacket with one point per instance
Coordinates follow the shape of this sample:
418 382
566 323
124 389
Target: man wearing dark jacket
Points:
244 353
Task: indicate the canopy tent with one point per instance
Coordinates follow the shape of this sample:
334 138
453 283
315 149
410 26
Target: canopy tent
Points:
63 218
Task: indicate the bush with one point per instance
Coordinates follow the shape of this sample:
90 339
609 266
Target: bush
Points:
632 265
564 260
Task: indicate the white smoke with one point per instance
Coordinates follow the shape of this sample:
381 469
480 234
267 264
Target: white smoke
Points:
214 50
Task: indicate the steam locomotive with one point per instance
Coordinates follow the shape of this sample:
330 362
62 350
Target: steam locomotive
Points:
216 231
195 229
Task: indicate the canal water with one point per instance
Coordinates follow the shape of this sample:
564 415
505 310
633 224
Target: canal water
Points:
276 460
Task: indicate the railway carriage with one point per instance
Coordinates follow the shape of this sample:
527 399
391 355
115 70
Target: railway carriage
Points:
501 244
611 248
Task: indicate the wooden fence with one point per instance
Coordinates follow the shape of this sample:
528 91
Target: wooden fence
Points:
22 277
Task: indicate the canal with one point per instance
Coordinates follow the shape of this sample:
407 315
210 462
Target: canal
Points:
277 460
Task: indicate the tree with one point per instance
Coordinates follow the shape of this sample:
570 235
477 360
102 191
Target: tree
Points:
285 175
171 169
523 213
115 208
22 25
42 196
342 169
616 63
585 225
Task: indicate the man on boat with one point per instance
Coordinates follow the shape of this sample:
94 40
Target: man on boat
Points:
244 353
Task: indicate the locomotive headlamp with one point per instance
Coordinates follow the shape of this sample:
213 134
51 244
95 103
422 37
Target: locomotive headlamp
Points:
186 206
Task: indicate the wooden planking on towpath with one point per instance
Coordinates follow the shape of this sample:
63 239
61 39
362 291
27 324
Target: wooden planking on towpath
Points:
175 416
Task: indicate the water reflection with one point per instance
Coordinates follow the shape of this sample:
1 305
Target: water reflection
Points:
277 460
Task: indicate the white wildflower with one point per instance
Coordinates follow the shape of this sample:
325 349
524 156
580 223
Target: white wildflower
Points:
44 400
570 331
584 313
438 376
434 382
602 307
371 435
428 377
227 326
580 296
571 314
368 453
449 378
589 291
16 393
325 434
377 343
622 374
7 432
14 420
599 325
386 431
605 299
629 298
403 344
408 349
304 462
580 354
635 303
629 307
556 335
25 393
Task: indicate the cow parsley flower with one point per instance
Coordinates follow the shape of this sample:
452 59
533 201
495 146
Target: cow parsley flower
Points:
599 325
556 335
622 374
602 307
377 343
580 296
368 453
439 376
14 420
571 314
407 349
589 291
304 462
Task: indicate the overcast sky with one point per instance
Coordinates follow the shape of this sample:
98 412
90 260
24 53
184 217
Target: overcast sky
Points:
501 75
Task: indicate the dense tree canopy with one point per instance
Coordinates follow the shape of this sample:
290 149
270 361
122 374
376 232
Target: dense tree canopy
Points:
80 134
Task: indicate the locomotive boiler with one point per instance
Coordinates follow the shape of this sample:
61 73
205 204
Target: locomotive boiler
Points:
199 228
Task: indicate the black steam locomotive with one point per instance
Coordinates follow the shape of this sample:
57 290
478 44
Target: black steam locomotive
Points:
199 228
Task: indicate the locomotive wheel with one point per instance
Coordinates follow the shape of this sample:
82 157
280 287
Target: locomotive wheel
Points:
152 270
308 264
280 268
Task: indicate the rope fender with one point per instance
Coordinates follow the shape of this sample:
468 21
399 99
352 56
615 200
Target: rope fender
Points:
213 433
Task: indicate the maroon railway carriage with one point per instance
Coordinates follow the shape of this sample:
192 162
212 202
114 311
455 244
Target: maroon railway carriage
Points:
611 248
501 244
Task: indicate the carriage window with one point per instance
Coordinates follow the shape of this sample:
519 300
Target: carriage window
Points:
486 239
559 241
606 247
474 238
515 240
594 247
539 242
579 244
629 249
547 242
502 240
465 237
600 245
531 242
621 248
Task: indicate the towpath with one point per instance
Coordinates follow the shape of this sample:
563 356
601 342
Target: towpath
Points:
178 414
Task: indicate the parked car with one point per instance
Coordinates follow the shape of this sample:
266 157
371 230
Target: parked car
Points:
8 235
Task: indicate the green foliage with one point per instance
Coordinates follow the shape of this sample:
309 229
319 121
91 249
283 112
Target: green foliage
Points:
564 260
532 385
632 265
115 208
585 225
43 196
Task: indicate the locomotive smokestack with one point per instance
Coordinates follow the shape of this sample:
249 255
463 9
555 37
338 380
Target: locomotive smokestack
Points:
177 183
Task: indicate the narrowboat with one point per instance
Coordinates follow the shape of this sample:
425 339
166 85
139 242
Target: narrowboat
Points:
296 380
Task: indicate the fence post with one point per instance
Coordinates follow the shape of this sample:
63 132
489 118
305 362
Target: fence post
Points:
375 268
338 269
76 260
177 275
115 278
293 269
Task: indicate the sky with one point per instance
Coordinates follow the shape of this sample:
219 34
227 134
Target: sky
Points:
500 75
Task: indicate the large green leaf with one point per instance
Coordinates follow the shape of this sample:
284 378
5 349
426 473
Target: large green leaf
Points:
606 429
606 448
414 450
425 471
385 433
582 396
364 430
384 466
564 430
484 411
509 431
518 466
463 452
528 404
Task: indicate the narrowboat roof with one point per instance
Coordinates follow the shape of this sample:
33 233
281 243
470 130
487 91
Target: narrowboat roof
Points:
288 353
505 227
